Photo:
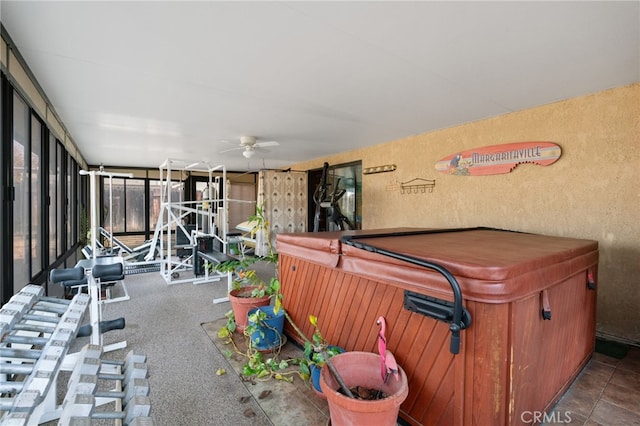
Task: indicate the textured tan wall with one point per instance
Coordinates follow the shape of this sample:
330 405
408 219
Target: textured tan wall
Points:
592 191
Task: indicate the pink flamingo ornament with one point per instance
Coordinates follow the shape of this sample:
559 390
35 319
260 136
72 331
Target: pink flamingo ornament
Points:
388 364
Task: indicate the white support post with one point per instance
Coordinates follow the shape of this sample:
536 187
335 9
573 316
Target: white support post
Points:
93 200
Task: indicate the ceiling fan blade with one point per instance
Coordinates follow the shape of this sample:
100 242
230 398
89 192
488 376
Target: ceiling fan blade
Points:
231 149
267 143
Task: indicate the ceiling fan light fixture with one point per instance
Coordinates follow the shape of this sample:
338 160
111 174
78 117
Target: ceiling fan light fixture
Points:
248 153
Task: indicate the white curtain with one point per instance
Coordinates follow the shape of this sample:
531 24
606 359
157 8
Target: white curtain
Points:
283 195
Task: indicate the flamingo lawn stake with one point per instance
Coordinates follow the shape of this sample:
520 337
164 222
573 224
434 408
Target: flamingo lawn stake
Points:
388 364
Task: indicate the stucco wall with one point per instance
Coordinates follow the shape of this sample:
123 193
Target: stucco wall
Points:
591 192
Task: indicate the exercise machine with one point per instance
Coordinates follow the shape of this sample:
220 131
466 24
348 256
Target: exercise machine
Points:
182 244
326 197
134 257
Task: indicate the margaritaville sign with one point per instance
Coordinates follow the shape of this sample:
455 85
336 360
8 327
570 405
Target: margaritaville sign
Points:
497 159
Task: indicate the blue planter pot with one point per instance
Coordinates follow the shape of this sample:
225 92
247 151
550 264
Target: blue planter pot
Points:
315 371
270 335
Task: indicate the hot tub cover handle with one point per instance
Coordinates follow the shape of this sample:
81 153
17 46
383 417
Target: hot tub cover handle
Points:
456 324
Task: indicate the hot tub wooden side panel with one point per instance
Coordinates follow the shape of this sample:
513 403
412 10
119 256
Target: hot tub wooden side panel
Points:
347 308
549 354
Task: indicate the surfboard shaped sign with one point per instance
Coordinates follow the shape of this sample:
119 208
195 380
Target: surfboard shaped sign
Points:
498 159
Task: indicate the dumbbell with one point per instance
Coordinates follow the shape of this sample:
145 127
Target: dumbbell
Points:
52 305
19 305
61 334
10 387
134 366
39 363
45 329
89 363
87 384
129 363
6 404
16 419
34 354
83 381
8 368
83 406
60 337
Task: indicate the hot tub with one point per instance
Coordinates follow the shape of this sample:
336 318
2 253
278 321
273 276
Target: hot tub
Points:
528 320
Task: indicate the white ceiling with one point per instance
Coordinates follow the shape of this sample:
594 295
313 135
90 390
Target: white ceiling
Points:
139 82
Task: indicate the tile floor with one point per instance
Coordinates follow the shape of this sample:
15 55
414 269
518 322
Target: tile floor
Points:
607 392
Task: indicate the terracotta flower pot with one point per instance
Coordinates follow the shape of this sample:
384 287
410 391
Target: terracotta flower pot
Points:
363 369
242 305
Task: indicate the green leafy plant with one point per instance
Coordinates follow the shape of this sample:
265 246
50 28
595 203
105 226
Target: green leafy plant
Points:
85 229
318 348
229 327
257 324
256 365
244 275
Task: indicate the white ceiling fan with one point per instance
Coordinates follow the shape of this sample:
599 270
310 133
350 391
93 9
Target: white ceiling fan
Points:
249 145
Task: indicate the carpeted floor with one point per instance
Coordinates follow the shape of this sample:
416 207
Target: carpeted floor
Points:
163 322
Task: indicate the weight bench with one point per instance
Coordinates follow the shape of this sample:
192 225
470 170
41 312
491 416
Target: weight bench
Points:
74 279
114 274
70 277
214 257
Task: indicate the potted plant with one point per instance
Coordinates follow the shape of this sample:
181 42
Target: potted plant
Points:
252 314
249 290
363 387
263 338
315 352
265 328
377 401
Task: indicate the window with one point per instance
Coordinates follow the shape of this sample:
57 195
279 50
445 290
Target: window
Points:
240 211
36 197
155 191
134 200
20 163
60 199
4 282
341 207
124 201
155 205
347 178
53 199
40 216
71 197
